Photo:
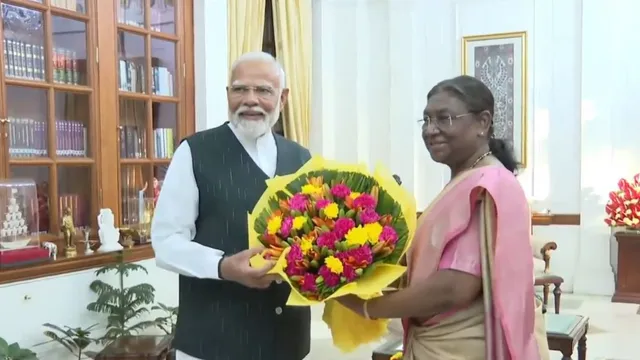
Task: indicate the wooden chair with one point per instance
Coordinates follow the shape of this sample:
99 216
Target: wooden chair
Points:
542 251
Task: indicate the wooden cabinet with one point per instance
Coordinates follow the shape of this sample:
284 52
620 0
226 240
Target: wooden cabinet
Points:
628 278
94 97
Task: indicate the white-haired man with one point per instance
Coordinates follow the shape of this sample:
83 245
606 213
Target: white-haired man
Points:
228 310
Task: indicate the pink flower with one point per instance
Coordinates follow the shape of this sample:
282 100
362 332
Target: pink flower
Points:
285 227
294 259
293 270
358 258
350 273
322 203
342 227
388 235
298 202
340 191
308 283
330 279
369 216
327 239
365 201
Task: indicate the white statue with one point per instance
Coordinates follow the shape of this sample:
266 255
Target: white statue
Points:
107 232
52 248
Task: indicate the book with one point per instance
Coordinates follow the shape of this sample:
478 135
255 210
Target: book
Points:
29 138
23 59
162 81
163 143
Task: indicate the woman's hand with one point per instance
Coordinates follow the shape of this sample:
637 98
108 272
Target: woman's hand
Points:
353 303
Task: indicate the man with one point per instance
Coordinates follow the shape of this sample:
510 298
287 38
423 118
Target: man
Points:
228 310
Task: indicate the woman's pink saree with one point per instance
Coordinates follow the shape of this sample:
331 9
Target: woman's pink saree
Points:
504 323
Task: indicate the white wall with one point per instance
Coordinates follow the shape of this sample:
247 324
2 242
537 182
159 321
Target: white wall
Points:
375 60
62 300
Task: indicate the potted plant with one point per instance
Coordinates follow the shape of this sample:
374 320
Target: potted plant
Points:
76 340
167 322
15 352
123 305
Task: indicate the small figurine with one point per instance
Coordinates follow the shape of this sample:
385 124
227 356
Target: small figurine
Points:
86 231
156 191
52 248
127 241
68 232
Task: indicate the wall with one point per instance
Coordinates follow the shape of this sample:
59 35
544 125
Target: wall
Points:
375 60
62 300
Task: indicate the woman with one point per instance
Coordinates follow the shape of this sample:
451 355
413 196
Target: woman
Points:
469 292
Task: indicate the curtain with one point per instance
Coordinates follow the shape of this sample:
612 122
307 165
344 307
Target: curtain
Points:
246 27
292 27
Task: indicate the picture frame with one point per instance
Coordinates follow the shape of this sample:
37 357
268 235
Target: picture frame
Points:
500 62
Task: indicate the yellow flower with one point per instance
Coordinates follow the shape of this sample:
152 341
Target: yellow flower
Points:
397 356
273 225
331 211
305 245
309 189
374 230
298 222
357 236
354 195
334 264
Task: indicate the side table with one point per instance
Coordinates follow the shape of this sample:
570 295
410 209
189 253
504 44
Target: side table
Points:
565 331
137 347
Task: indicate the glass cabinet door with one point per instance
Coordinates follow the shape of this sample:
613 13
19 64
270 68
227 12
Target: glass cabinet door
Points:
47 114
149 101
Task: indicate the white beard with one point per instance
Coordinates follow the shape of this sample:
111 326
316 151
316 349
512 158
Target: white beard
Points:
253 129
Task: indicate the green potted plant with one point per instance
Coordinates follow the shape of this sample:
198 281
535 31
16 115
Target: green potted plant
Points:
76 340
15 352
166 322
123 305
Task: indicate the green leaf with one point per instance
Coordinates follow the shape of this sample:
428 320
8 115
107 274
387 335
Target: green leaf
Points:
13 349
4 347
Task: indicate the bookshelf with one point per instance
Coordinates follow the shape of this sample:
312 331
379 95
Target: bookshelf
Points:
92 108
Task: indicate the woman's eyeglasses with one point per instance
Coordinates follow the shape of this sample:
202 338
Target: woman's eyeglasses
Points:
441 122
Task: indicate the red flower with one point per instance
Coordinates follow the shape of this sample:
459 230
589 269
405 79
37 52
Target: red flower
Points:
308 283
330 279
340 191
365 201
358 258
342 227
327 239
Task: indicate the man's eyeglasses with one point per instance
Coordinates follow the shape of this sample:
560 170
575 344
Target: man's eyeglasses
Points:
265 92
441 122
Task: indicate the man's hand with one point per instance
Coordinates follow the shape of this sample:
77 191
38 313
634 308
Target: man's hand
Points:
237 268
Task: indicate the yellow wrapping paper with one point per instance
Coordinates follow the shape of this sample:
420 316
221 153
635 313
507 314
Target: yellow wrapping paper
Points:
348 329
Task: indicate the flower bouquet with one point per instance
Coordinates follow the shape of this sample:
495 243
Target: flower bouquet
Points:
333 230
623 207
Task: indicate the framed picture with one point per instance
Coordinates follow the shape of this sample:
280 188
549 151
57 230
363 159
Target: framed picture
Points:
500 62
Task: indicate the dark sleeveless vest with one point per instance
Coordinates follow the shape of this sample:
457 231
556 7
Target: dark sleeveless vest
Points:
222 320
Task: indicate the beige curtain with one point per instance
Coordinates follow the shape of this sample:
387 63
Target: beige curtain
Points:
292 27
246 26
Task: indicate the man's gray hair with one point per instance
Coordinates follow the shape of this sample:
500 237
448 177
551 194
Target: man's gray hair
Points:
260 56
